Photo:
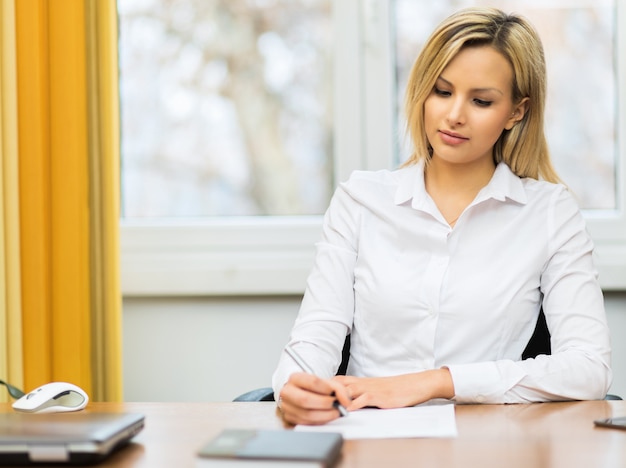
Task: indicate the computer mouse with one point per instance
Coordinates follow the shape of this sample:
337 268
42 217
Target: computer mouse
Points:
54 397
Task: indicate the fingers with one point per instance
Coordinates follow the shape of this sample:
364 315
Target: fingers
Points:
294 414
341 393
307 399
380 392
308 391
353 392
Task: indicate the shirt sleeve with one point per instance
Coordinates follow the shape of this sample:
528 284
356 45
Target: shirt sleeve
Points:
327 309
579 366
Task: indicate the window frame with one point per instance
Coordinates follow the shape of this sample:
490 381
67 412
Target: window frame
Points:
273 255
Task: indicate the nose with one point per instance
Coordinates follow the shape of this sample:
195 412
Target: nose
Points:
456 113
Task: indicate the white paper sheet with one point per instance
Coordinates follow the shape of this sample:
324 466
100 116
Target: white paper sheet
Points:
417 421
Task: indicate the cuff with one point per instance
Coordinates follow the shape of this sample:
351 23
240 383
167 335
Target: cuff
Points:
481 382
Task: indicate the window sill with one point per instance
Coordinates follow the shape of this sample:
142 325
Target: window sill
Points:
226 256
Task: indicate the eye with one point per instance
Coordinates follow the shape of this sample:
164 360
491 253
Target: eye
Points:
441 92
482 102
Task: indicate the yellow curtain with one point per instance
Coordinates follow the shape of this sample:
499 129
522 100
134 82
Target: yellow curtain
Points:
10 301
67 134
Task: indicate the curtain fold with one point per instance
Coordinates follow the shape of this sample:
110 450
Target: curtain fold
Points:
104 140
10 301
65 203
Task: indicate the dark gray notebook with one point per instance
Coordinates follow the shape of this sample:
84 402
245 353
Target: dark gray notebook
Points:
272 448
66 438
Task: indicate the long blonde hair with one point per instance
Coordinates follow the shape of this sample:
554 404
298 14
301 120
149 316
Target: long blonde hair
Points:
523 148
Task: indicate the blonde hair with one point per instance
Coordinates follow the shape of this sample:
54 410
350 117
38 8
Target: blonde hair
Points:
523 148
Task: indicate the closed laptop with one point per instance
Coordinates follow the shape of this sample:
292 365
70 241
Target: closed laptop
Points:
66 438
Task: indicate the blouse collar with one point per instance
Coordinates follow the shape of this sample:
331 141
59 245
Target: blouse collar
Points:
503 184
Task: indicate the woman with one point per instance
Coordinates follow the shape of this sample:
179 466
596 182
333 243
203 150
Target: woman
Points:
439 270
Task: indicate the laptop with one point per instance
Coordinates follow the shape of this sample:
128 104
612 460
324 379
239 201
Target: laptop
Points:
64 438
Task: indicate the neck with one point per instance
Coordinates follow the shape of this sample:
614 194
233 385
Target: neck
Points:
452 178
454 186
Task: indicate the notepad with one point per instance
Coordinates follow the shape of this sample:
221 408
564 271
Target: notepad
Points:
271 448
429 420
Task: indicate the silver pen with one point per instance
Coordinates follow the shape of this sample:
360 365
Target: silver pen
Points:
293 354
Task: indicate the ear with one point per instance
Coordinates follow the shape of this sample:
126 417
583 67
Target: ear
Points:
519 111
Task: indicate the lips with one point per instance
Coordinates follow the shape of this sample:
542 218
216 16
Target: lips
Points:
452 138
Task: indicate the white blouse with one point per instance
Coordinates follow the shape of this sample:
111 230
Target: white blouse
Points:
416 294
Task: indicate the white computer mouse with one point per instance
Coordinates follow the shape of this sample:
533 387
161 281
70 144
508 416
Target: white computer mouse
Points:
54 397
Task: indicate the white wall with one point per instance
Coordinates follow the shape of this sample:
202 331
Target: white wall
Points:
213 349
202 349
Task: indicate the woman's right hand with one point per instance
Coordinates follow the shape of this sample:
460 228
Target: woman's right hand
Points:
308 399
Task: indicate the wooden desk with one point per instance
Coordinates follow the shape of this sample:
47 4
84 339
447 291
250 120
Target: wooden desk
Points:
529 436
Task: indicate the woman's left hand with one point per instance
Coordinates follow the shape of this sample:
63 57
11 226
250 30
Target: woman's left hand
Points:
398 391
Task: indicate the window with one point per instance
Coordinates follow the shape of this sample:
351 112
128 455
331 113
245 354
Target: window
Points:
226 107
238 254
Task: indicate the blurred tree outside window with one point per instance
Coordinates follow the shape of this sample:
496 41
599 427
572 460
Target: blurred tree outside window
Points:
579 41
225 107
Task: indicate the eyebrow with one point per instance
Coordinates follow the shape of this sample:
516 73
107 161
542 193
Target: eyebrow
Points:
475 89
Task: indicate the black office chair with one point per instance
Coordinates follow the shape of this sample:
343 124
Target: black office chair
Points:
539 343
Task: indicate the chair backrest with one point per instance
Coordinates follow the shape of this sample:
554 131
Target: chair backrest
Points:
345 357
539 342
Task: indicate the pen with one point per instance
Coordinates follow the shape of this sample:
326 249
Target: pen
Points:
305 368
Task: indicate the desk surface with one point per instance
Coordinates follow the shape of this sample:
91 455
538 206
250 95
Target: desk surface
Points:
535 435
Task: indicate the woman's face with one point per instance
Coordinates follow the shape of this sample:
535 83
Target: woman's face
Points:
470 105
